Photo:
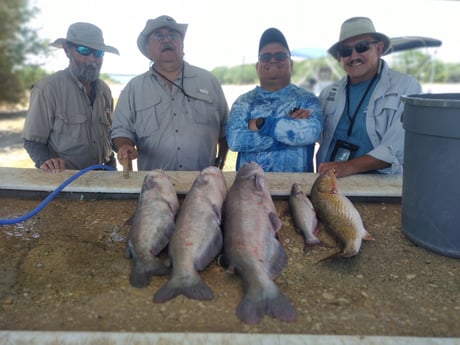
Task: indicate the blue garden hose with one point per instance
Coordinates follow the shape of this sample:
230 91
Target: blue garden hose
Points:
54 193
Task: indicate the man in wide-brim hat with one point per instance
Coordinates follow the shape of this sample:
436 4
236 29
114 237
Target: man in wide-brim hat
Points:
69 119
173 116
363 131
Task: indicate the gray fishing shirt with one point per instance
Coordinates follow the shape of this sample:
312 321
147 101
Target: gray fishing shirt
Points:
60 115
172 130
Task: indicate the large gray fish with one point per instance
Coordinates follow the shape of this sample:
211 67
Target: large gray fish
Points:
304 217
251 248
152 227
197 239
338 214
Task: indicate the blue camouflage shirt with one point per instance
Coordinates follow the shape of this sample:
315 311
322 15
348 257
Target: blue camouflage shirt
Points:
282 144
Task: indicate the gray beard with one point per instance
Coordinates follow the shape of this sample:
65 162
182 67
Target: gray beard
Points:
85 73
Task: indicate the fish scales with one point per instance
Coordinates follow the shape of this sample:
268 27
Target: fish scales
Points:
251 248
338 214
152 227
197 239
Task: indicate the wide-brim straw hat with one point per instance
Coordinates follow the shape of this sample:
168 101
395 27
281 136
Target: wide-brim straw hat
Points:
85 34
358 26
157 23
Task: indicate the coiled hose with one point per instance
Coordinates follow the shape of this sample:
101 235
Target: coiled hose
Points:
54 193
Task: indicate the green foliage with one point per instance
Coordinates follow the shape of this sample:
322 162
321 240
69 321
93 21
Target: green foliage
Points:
17 42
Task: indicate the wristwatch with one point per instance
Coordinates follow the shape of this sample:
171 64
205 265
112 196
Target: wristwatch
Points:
260 122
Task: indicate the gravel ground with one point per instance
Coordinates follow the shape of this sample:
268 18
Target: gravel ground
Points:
65 269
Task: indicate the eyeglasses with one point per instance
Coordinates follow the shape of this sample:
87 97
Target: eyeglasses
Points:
172 36
360 47
266 57
85 51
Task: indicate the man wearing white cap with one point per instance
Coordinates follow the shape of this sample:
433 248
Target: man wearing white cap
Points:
69 118
172 117
363 130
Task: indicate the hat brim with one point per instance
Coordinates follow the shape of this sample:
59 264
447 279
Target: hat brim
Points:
149 28
334 50
109 49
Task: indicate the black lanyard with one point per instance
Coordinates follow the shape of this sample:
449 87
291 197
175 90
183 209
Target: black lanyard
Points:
181 86
355 114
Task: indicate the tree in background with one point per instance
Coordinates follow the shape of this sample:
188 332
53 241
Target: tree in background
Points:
17 43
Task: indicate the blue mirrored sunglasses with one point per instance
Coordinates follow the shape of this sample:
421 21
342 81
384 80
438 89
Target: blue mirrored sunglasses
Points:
85 51
266 57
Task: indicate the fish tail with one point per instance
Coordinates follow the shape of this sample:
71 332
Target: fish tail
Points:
142 273
254 305
192 287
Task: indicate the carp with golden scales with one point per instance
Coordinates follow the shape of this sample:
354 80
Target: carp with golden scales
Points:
338 214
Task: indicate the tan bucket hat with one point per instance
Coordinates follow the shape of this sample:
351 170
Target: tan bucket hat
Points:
159 22
358 26
85 34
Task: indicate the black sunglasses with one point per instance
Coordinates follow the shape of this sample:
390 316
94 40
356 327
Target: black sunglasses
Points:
360 47
85 51
266 57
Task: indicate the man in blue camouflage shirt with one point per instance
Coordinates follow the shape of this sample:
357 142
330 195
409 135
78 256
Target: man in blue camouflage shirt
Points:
277 123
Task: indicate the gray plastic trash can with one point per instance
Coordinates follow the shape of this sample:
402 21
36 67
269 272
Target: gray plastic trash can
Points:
431 175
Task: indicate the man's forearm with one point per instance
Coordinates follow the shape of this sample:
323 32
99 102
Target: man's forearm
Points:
38 152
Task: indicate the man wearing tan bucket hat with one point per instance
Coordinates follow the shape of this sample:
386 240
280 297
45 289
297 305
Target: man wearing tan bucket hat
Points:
363 130
69 118
172 117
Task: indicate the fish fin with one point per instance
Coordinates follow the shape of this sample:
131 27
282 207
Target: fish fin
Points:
250 311
330 257
218 211
128 252
129 221
308 247
253 307
275 221
142 274
368 237
281 308
194 288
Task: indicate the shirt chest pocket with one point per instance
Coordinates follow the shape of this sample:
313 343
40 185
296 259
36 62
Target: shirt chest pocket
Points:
203 110
148 118
72 126
385 110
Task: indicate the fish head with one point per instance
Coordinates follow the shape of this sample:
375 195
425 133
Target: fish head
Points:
327 183
215 178
158 182
254 173
295 189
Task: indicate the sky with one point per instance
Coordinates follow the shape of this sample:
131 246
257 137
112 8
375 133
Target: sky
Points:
227 33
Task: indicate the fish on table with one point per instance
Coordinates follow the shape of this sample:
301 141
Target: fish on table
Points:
251 247
197 239
152 227
338 214
304 217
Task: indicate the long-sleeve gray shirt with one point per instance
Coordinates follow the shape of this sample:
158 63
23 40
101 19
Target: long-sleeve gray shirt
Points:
172 130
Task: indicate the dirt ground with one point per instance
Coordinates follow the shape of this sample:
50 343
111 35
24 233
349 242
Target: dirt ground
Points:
65 269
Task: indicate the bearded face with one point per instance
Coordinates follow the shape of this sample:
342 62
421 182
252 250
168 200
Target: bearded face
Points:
86 69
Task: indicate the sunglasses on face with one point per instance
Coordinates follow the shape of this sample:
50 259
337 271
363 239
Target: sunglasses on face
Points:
159 36
266 57
360 47
85 51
